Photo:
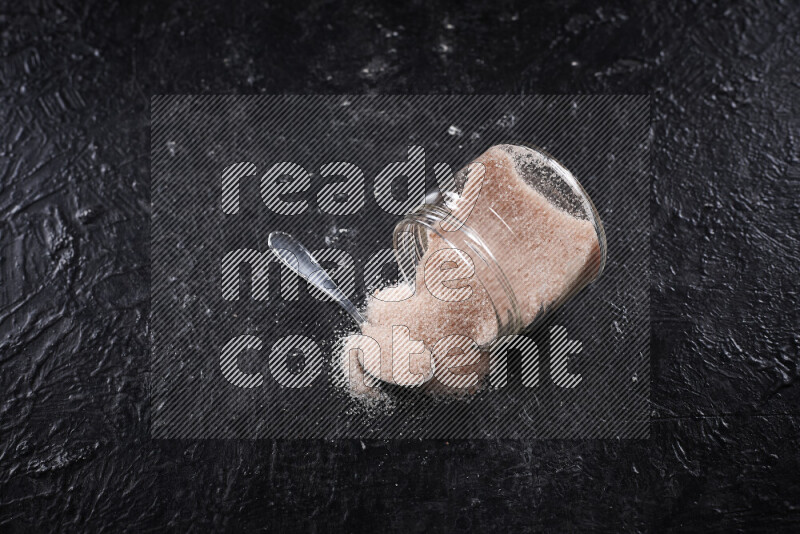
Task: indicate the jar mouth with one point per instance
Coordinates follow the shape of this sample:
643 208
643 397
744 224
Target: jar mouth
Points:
411 242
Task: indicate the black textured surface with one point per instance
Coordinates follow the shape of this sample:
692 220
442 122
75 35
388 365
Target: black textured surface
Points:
74 201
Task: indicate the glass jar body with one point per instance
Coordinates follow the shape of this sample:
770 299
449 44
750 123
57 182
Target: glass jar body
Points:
522 220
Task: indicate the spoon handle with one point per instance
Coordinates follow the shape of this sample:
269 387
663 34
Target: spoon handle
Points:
297 258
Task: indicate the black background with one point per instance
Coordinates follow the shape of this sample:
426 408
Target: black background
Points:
74 205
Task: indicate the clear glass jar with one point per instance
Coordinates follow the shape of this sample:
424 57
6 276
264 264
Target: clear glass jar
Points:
530 229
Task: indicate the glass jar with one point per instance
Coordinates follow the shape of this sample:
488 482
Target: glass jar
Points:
528 226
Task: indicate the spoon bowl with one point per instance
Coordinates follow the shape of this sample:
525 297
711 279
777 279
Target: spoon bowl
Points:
297 258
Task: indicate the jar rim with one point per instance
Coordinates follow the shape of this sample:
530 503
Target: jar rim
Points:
426 217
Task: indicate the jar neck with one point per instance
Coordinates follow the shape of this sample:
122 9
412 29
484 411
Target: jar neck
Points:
410 242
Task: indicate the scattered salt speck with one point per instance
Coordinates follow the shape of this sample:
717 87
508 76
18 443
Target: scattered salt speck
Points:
454 130
336 234
507 120
574 63
374 69
86 215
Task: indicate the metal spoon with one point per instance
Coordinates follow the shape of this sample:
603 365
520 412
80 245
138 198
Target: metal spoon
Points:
297 258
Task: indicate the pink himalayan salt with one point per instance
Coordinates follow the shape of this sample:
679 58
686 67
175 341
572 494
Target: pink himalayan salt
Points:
542 250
